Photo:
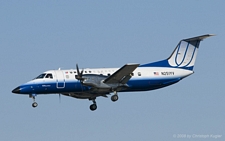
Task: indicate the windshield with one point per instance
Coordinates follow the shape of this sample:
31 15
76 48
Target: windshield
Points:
49 75
41 76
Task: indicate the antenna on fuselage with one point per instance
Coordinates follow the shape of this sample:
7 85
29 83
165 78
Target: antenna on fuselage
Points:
59 98
59 69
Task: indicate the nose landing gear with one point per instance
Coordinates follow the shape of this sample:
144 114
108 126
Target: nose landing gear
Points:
34 104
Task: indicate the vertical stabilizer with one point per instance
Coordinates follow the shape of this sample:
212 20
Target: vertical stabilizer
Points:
183 56
185 53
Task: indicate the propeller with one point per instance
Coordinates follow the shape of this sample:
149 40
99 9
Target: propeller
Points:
79 74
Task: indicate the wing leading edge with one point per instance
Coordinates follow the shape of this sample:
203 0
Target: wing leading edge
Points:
122 75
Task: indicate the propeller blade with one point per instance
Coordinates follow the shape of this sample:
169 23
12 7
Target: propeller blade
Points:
79 74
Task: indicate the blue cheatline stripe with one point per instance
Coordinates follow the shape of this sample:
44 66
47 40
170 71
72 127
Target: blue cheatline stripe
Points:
78 87
184 54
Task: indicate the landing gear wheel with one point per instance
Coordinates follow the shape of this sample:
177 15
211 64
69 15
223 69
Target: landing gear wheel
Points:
34 104
93 107
114 98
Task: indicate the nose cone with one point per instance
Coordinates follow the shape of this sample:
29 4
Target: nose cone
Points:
16 90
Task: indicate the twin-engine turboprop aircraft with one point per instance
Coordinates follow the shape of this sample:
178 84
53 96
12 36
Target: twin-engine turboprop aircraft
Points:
92 83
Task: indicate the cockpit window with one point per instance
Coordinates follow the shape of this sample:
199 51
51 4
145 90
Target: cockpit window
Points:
41 76
49 75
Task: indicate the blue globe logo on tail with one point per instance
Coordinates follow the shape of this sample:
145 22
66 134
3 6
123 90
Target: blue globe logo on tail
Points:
183 56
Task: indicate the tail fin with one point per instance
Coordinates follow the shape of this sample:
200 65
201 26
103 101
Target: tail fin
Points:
183 56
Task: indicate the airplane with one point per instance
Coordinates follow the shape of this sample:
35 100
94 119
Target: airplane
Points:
92 83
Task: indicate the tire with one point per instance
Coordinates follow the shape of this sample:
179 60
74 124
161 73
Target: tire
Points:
93 107
114 98
34 104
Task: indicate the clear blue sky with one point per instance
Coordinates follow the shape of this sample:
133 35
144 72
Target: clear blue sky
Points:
36 36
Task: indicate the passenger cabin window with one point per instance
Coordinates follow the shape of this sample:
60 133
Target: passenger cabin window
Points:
139 73
49 75
41 76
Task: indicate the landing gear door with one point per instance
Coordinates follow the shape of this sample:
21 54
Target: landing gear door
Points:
60 80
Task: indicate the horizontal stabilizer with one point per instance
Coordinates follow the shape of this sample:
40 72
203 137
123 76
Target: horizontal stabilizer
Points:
193 41
199 37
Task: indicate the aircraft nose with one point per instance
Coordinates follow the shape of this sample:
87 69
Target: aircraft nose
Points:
16 90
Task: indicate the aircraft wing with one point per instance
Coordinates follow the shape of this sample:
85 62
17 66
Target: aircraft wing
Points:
122 75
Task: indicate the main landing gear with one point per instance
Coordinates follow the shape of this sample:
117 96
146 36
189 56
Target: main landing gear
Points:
34 104
114 97
93 106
